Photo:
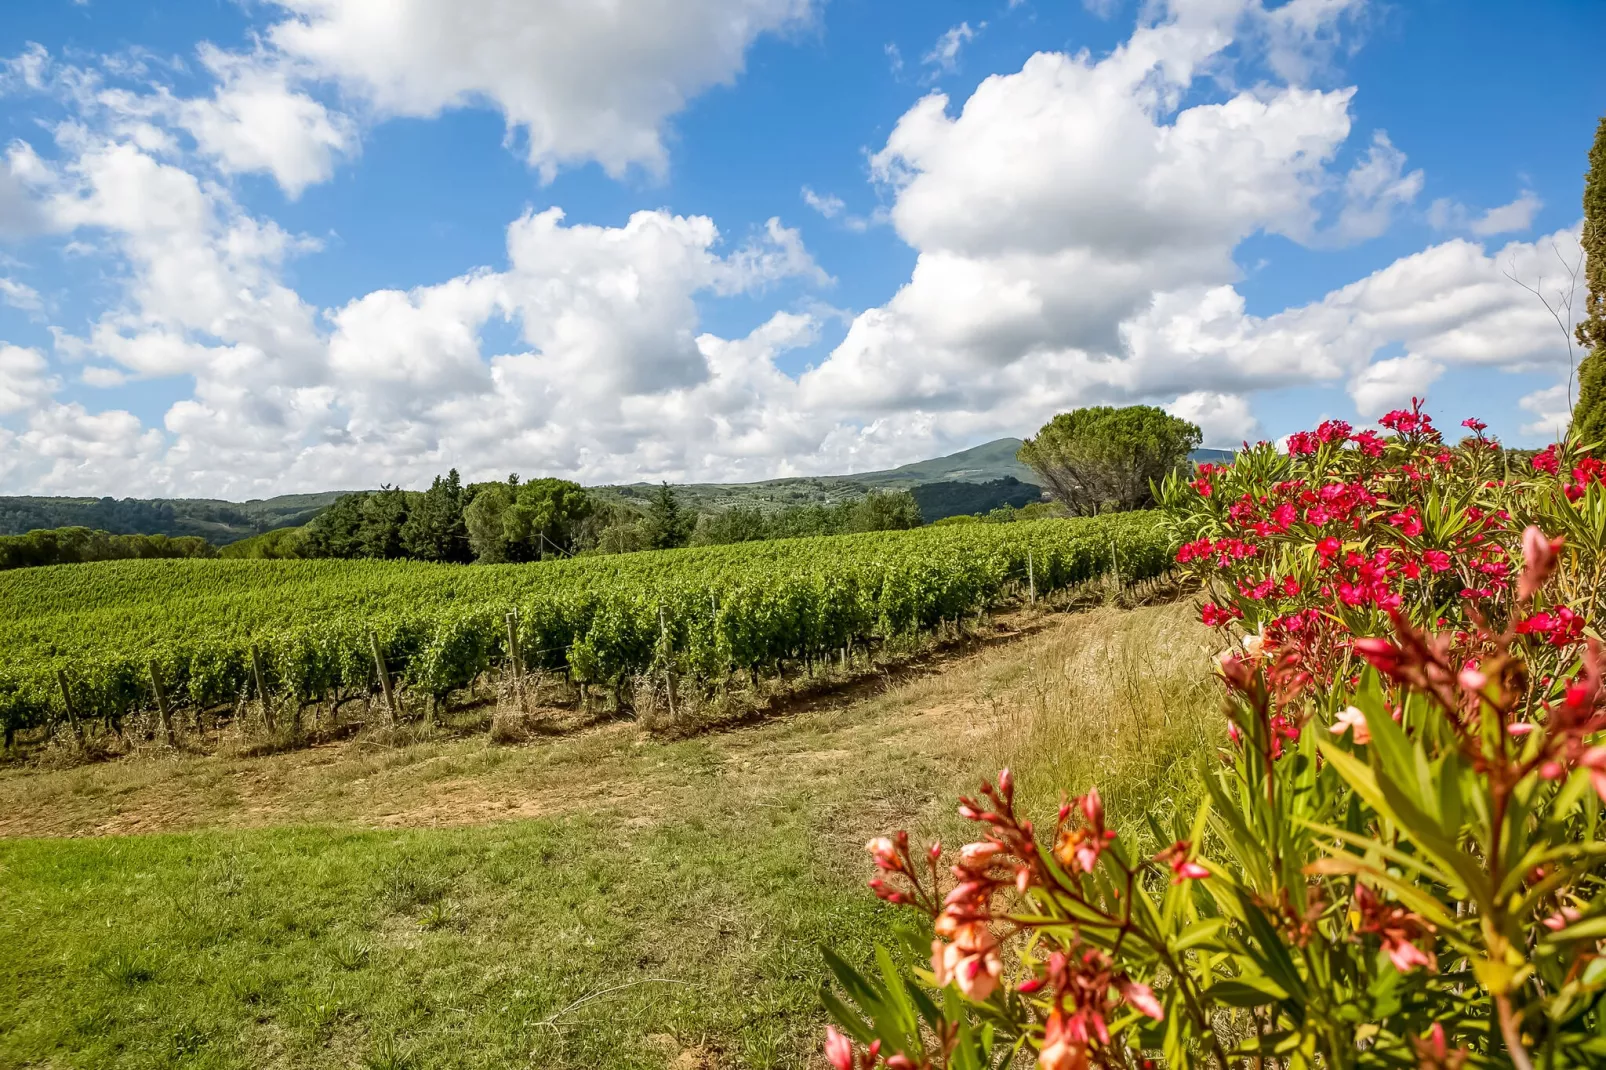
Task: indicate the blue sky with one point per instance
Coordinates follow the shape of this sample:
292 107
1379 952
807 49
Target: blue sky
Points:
256 247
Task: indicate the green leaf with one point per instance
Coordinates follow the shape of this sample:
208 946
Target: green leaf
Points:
1267 949
1200 932
1241 994
1409 861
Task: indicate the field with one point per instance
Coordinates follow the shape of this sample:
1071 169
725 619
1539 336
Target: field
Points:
92 643
604 899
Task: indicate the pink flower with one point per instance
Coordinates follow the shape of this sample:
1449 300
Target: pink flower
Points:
1141 998
1561 919
1405 955
1351 720
1539 561
978 855
838 1049
971 962
1060 1050
1184 868
885 853
1594 760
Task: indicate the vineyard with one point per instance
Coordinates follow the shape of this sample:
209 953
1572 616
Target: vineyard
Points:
86 646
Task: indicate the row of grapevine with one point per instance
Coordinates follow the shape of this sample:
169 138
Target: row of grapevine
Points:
209 629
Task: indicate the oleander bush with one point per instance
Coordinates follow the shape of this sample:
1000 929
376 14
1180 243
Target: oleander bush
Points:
1397 860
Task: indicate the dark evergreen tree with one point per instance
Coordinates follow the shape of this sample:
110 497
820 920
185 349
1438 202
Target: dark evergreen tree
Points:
1589 414
338 530
384 514
434 529
668 524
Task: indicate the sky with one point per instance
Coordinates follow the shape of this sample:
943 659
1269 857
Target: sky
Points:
251 247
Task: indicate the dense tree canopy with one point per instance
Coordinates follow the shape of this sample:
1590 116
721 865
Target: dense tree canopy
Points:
1589 415
1099 459
65 546
526 522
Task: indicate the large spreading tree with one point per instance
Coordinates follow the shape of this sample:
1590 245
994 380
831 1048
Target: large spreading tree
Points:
1589 415
1103 459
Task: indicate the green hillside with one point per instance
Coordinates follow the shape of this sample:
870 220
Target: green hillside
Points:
979 464
218 522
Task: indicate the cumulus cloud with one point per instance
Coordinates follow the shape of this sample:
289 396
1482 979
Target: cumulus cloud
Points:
1224 419
19 213
1392 383
25 380
577 81
255 121
1515 217
611 359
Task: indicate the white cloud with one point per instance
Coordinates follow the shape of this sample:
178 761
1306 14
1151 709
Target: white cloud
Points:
1552 412
611 373
254 121
1224 419
19 213
830 205
25 379
1515 217
20 295
1392 383
1375 188
944 55
1301 36
577 81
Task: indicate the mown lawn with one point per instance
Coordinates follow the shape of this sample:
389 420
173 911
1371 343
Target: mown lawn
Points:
595 901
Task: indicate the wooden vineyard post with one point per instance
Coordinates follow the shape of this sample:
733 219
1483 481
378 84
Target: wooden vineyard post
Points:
1031 579
515 660
162 709
669 678
72 711
262 687
384 678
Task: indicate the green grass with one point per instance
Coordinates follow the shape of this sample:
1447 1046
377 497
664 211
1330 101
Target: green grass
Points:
572 943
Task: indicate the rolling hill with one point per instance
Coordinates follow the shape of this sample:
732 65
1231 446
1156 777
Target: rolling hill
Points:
221 522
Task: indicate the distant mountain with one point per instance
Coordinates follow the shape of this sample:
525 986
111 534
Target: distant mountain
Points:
218 522
980 464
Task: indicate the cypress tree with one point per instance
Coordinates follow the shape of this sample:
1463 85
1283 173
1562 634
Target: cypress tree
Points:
1589 415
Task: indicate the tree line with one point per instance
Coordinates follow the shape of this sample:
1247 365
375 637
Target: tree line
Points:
516 521
75 545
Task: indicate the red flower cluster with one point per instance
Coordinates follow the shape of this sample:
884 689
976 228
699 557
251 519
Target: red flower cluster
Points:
1559 626
1317 545
1410 422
